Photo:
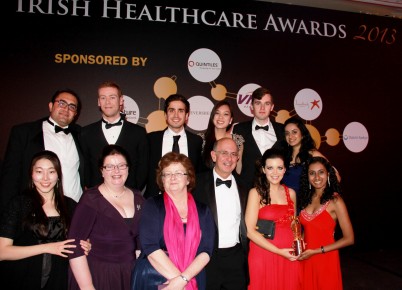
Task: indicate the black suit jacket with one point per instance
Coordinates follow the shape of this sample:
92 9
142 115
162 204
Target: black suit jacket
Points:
251 153
155 141
133 138
25 140
205 192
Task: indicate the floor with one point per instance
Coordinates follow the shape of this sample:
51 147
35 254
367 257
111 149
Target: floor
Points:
372 270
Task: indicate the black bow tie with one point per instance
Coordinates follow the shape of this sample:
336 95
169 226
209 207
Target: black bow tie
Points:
109 125
219 181
262 127
58 129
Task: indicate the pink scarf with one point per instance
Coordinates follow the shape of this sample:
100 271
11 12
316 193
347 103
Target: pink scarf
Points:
181 247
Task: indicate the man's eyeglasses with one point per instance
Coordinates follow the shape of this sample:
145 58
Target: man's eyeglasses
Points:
64 104
228 154
110 167
177 175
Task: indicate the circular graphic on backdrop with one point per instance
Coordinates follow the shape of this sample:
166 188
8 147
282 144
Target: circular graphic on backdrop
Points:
219 92
244 98
200 110
355 137
308 104
165 86
204 65
131 110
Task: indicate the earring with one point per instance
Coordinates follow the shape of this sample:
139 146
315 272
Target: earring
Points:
309 185
329 183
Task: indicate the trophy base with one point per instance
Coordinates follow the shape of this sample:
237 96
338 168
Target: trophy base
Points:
298 247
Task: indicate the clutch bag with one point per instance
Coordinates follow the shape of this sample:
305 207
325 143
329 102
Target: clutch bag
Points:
266 228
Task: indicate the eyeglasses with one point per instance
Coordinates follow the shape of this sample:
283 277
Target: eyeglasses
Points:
64 104
228 154
177 175
111 167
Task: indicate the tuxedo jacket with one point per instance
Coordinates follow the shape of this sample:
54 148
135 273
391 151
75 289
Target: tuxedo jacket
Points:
155 141
251 152
133 138
26 140
205 192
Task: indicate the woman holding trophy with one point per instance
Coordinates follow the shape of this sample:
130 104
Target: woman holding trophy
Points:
269 214
322 208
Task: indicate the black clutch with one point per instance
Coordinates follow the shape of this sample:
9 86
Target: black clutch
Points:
266 228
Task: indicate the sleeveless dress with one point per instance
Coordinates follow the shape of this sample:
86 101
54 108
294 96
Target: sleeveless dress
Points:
321 271
269 270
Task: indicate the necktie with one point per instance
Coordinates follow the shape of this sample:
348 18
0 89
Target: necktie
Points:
109 125
58 129
261 127
219 181
175 147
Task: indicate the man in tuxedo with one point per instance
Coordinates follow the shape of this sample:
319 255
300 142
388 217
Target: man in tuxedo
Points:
226 198
173 138
259 134
114 129
56 133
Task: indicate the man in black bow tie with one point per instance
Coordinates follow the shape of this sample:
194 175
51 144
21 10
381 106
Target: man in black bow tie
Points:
219 189
260 133
113 128
56 133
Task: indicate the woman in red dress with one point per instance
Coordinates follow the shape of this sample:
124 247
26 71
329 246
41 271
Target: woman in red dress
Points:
272 264
322 208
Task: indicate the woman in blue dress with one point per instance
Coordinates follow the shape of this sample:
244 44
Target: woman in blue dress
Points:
299 147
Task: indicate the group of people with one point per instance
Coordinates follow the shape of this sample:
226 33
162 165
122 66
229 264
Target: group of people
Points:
109 206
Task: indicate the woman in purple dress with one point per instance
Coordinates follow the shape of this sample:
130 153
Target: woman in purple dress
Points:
108 215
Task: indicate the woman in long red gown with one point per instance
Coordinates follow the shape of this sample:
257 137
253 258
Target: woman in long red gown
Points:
322 207
272 264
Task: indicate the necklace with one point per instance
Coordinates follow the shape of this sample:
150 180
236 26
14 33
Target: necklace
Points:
183 218
113 194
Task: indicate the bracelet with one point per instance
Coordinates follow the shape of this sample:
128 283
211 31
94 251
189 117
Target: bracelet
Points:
184 278
322 250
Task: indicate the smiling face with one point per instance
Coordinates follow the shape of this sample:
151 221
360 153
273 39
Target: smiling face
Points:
44 176
222 117
173 179
293 135
117 176
274 170
225 156
63 116
110 102
317 175
176 115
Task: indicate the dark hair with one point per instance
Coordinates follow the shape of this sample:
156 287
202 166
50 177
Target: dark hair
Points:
69 91
259 93
113 149
111 84
176 97
307 191
307 142
210 137
173 157
37 219
261 183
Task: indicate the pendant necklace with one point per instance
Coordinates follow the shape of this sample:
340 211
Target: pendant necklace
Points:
115 195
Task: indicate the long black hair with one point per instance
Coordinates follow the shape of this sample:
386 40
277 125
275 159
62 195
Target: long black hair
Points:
307 143
210 137
37 220
306 192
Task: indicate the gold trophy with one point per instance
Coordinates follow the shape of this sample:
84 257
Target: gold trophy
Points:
298 242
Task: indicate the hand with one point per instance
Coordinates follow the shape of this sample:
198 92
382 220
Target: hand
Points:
86 246
306 254
175 283
287 253
61 248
